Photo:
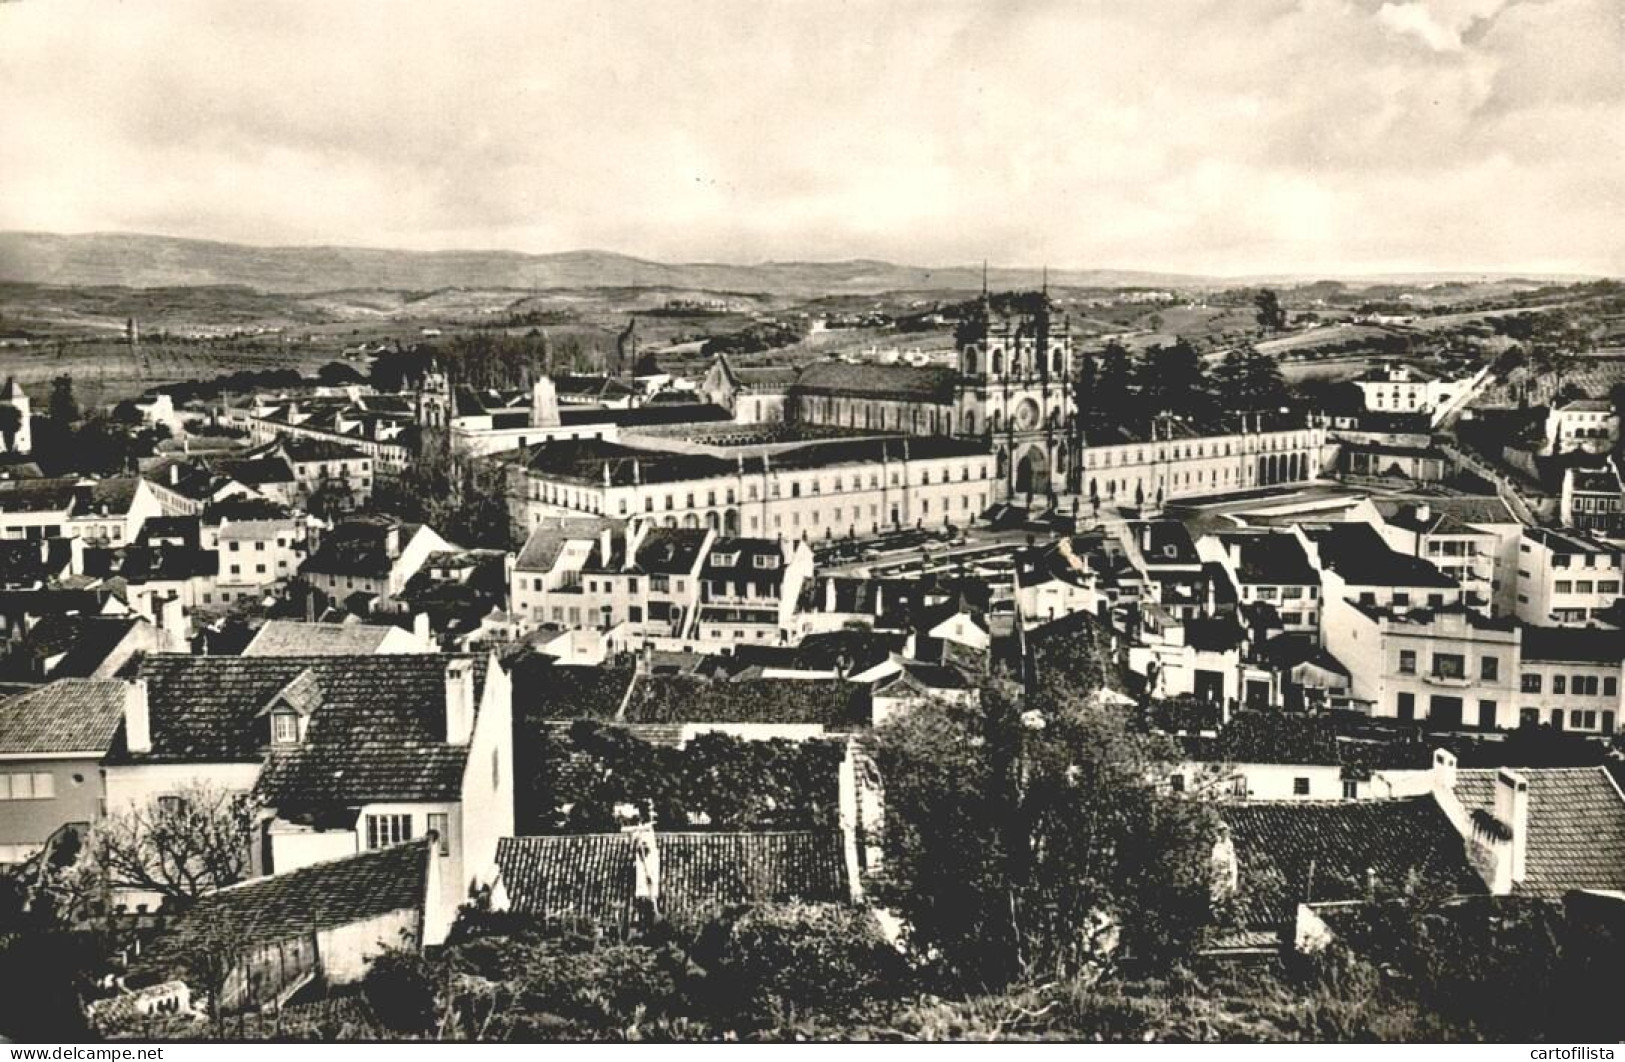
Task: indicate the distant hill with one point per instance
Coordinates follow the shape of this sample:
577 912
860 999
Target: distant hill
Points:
140 261
128 260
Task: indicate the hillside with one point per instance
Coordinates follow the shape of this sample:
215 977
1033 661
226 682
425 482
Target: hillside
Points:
129 260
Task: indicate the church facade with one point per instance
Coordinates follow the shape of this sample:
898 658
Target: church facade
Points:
1010 387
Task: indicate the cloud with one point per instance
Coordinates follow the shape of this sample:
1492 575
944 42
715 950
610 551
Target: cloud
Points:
1203 135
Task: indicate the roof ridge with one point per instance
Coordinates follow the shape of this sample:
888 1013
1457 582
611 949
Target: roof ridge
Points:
368 853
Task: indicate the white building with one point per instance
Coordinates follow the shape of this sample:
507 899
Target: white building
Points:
1588 424
1566 579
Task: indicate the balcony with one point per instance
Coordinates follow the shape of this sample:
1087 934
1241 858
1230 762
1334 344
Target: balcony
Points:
1454 682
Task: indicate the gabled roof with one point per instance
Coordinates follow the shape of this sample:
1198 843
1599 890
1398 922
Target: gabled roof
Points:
1292 852
1576 836
931 382
1271 559
670 550
326 895
85 641
68 715
1288 738
358 547
296 638
591 876
379 733
548 539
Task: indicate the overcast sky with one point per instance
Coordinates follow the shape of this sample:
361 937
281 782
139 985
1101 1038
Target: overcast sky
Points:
1214 136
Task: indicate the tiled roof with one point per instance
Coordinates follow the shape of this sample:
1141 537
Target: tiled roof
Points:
36 495
685 699
86 642
68 715
358 547
378 735
931 382
1270 737
670 550
585 876
1296 851
548 538
320 896
1576 826
591 876
295 638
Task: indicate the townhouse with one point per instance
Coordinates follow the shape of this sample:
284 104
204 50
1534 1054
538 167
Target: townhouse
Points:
578 573
1570 679
1587 424
1448 666
1473 540
1566 579
749 588
372 556
339 754
1270 569
1593 500
52 741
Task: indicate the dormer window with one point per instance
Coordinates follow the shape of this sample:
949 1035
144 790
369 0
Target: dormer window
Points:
767 561
724 560
285 728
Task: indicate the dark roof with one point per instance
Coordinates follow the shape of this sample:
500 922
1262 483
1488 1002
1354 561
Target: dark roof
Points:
584 460
68 715
304 448
36 495
544 689
1449 515
548 538
1269 737
358 547
1275 559
378 733
686 699
1576 826
85 641
1164 542
1595 480
320 896
931 382
1570 542
591 876
743 553
1279 846
31 562
670 550
1213 634
1572 644
1357 552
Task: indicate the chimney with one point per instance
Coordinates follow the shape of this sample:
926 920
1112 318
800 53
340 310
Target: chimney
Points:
392 541
422 631
1145 539
1444 771
1512 809
174 473
137 716
880 590
646 859
459 701
829 595
605 540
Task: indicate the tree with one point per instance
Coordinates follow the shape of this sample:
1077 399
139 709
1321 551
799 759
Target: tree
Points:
1028 839
179 847
11 423
64 407
1173 379
1271 315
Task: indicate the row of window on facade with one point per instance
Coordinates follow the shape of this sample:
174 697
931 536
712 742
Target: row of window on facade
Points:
1448 711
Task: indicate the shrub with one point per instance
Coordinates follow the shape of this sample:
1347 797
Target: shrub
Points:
767 962
400 988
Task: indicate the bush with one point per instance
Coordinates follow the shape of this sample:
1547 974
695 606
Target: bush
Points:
400 988
766 963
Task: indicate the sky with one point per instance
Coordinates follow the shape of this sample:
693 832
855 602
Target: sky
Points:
1223 137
